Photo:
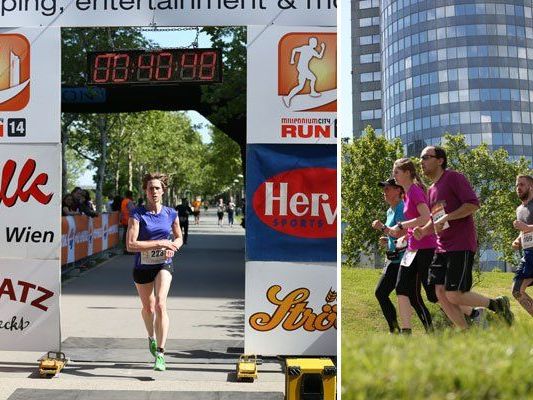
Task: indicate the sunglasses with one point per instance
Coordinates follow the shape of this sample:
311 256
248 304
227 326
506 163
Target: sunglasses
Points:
427 157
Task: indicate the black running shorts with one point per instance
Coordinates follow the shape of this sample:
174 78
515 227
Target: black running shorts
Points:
452 269
411 278
147 275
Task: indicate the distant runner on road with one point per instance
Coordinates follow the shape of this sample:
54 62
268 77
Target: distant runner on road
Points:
196 205
149 230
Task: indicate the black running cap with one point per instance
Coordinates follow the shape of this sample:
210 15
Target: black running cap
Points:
389 182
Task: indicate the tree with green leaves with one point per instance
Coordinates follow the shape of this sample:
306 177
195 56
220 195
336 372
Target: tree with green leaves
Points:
365 162
222 164
75 43
227 102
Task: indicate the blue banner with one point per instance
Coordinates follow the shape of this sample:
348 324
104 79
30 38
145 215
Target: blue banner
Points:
291 203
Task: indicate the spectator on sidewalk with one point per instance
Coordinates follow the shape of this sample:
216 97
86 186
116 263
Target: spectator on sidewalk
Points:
86 206
117 201
68 207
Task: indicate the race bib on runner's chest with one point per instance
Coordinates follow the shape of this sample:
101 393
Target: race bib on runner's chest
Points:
151 257
527 240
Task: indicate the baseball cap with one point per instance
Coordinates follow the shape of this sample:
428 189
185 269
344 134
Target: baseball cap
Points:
389 182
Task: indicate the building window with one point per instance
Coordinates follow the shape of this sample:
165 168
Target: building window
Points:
371 114
368 4
369 58
370 39
372 21
370 76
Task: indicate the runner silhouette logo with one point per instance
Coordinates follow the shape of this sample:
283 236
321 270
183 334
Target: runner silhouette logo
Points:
307 71
14 72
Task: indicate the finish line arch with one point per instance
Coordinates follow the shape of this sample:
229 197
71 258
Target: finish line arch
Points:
290 299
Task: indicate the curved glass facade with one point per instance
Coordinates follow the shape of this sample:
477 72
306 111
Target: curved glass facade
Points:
458 66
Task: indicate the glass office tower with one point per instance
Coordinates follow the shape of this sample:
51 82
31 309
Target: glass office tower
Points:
366 55
461 66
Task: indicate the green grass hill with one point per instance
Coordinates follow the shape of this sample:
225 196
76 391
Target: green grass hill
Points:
491 363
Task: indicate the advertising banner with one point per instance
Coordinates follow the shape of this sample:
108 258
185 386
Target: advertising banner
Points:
30 201
82 236
29 304
291 212
292 85
167 13
30 89
290 309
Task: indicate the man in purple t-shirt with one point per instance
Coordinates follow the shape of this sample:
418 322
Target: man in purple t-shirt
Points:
453 203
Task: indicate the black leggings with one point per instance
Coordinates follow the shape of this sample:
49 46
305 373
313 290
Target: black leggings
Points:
384 288
410 281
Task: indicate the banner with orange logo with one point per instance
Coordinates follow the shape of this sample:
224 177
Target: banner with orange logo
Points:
30 188
30 88
291 309
292 85
167 13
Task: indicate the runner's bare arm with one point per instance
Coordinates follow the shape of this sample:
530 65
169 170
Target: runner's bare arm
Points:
517 243
522 226
421 220
420 231
134 245
176 230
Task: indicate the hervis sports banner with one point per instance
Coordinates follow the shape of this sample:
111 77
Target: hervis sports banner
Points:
292 85
30 201
291 203
291 309
167 12
30 84
29 304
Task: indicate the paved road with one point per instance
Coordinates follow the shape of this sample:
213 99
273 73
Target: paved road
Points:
104 335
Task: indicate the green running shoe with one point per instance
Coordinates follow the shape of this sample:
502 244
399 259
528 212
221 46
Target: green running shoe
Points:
160 362
152 345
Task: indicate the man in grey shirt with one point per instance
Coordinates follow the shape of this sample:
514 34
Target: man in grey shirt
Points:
524 223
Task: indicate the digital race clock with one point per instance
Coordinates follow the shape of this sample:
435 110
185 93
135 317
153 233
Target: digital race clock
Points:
153 67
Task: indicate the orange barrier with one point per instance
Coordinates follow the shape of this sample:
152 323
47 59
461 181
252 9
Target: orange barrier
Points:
82 236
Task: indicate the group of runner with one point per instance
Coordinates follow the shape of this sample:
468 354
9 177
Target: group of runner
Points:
431 241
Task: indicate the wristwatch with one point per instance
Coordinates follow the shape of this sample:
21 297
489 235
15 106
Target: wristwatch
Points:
400 225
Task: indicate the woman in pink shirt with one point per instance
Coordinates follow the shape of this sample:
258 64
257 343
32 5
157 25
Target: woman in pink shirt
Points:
417 259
